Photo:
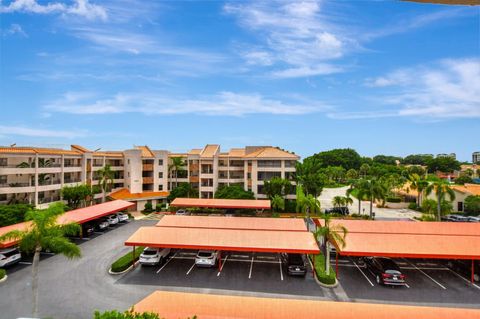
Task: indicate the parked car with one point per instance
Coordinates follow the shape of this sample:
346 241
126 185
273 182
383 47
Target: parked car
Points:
337 210
112 220
385 270
294 264
473 219
88 229
9 256
464 268
455 218
122 217
206 258
154 256
102 224
182 212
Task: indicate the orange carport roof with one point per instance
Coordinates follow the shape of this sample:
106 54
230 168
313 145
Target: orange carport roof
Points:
81 215
250 223
174 305
225 239
407 227
222 203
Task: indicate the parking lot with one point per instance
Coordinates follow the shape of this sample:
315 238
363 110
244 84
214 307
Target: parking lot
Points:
241 271
428 282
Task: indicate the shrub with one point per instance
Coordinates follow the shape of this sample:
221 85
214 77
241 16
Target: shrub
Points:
472 204
3 273
413 206
158 207
319 263
148 207
126 260
125 315
393 200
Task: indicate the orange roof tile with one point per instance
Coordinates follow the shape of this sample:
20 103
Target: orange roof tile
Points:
195 151
473 189
37 150
177 155
236 152
174 305
126 195
79 148
271 152
210 150
146 152
222 203
109 154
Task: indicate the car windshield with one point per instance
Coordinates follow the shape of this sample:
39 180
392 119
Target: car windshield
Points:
393 272
149 252
295 259
389 264
206 254
10 253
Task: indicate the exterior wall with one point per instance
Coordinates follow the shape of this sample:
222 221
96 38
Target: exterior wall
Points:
133 170
459 198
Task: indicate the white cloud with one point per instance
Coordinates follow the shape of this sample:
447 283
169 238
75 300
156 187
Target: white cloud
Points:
446 89
297 38
223 103
81 8
15 29
32 132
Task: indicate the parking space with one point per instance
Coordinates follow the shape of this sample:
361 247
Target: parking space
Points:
427 281
242 271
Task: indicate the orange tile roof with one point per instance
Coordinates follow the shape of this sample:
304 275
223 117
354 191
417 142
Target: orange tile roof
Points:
195 151
236 152
300 242
37 150
473 189
210 150
146 152
174 305
125 194
221 203
109 154
271 152
177 155
79 148
221 222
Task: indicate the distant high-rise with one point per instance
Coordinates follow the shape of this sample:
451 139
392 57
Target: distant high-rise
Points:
476 157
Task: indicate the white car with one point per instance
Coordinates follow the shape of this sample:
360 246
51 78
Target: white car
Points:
206 258
112 219
154 256
122 217
102 224
182 212
474 219
9 256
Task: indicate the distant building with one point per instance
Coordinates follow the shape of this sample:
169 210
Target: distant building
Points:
476 157
451 155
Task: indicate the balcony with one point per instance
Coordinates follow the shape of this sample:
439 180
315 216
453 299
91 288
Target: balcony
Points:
46 200
147 180
16 184
194 167
71 180
49 182
147 167
194 179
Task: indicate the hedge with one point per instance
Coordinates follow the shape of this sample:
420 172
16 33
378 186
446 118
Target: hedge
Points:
319 263
126 261
393 200
3 273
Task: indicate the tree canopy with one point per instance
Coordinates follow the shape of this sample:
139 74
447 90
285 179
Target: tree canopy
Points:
182 190
13 213
76 195
277 186
443 164
417 159
472 204
233 192
346 158
386 159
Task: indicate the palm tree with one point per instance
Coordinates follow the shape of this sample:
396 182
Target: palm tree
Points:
442 189
307 204
358 187
348 201
44 233
106 176
327 233
338 201
418 183
372 189
278 203
364 169
176 164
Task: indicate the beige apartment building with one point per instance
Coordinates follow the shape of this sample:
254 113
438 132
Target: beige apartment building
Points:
36 175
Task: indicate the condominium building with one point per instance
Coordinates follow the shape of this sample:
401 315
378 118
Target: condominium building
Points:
476 157
36 175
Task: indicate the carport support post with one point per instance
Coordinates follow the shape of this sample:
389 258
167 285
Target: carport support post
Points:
473 272
336 264
133 257
219 260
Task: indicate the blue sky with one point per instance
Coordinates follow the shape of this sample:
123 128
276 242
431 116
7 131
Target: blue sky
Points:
383 77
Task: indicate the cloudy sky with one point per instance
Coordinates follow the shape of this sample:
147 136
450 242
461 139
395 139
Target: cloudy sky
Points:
383 77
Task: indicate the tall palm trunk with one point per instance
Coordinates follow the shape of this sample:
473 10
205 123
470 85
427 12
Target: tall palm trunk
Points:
371 207
359 206
439 206
327 257
35 264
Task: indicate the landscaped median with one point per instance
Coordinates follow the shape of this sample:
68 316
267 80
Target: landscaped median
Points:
319 264
123 263
3 275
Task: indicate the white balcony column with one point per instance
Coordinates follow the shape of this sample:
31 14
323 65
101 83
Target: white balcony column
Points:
36 180
62 175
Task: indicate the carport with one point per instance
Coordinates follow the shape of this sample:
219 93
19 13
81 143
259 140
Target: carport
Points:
247 223
435 240
222 203
270 241
169 304
80 216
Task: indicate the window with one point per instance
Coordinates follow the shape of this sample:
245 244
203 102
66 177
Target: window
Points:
128 174
249 175
3 179
265 163
3 197
3 162
160 162
128 161
160 174
160 187
266 176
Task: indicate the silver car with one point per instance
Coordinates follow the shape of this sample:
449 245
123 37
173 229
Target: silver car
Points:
206 258
122 217
112 219
9 256
154 256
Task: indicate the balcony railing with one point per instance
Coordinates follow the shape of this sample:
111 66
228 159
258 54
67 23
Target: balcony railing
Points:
45 200
68 181
49 182
72 165
16 184
147 167
147 180
207 171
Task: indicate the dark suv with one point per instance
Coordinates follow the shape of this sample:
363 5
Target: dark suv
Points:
337 210
295 264
385 270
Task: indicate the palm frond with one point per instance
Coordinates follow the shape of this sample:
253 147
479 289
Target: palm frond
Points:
14 234
61 245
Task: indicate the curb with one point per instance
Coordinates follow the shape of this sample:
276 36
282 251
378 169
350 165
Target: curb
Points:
122 272
320 283
4 278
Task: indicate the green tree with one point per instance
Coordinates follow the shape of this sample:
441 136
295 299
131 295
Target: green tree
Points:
364 170
443 164
76 195
106 176
327 233
13 214
372 189
346 158
419 184
233 192
351 174
45 233
472 204
463 179
278 203
129 314
417 159
182 190
307 204
310 176
385 159
176 164
415 169
442 190
277 186
335 174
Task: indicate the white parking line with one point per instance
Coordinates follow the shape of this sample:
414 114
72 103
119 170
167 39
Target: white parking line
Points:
443 287
281 271
166 263
25 262
371 283
251 267
425 268
240 256
221 267
188 254
266 257
468 281
184 257
190 268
